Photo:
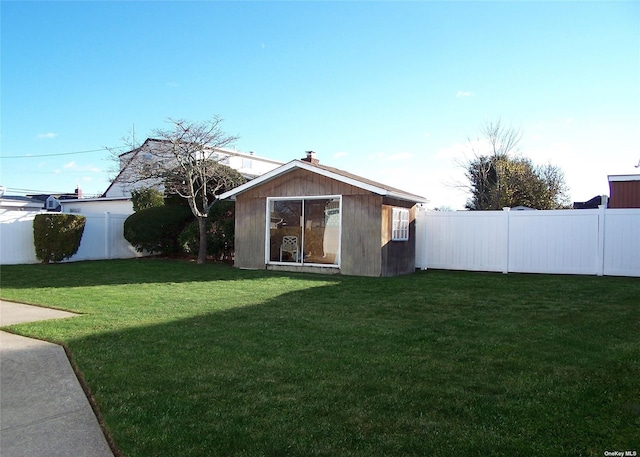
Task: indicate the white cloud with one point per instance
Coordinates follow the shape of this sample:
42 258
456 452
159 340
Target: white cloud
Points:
427 135
568 122
69 165
462 93
47 136
337 155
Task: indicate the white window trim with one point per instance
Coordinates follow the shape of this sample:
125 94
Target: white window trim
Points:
267 239
400 224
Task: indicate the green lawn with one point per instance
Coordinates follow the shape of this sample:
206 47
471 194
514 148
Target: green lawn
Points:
189 360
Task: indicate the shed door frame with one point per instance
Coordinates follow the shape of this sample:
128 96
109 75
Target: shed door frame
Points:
303 198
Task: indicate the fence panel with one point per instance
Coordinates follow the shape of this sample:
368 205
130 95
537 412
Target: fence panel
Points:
16 237
564 242
622 242
466 240
103 238
598 241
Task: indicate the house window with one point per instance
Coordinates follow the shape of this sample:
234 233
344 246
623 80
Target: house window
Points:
400 224
304 230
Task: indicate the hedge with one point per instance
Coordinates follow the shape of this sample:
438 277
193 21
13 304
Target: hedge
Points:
57 236
156 230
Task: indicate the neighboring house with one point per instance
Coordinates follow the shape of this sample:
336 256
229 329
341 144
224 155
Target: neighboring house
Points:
36 202
303 216
51 202
248 165
624 191
19 203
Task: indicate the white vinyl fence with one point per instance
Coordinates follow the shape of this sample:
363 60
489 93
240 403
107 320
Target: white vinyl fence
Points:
102 238
594 242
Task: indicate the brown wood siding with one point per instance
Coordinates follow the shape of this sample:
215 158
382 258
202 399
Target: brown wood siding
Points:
397 257
361 235
303 183
624 194
250 232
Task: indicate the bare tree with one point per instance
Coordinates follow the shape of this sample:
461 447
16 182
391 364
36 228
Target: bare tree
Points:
498 176
188 165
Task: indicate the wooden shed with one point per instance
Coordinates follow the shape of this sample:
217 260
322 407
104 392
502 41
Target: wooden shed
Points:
303 216
624 191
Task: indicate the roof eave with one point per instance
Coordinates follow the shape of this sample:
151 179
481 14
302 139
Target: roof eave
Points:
321 171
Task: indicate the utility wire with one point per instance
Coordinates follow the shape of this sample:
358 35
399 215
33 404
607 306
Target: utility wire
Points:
59 154
16 189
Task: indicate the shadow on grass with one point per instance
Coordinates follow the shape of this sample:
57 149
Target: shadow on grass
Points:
429 364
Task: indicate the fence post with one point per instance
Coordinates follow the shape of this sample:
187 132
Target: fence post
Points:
107 235
602 211
505 268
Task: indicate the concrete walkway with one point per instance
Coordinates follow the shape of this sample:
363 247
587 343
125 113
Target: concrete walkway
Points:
43 409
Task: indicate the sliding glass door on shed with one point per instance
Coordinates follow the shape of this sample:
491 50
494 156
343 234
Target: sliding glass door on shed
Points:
304 230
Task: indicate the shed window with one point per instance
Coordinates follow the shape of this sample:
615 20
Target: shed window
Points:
400 224
304 230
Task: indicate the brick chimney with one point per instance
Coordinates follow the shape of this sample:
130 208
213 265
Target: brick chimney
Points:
78 192
311 158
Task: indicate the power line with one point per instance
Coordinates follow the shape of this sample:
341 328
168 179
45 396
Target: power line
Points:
59 154
36 191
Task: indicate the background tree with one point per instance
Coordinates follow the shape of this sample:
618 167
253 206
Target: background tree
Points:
188 166
220 229
146 197
498 176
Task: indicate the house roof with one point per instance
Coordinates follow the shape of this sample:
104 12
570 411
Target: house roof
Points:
329 172
16 201
624 178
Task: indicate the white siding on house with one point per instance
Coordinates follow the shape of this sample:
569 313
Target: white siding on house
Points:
97 206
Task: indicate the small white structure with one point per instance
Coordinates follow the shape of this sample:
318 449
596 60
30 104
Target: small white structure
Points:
84 206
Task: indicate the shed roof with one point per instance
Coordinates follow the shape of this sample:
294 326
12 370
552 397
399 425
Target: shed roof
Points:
329 172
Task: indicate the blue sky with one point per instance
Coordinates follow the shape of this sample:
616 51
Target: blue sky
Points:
388 90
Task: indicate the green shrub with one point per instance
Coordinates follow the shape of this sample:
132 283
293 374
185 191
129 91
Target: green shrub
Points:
146 197
57 236
156 230
220 232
